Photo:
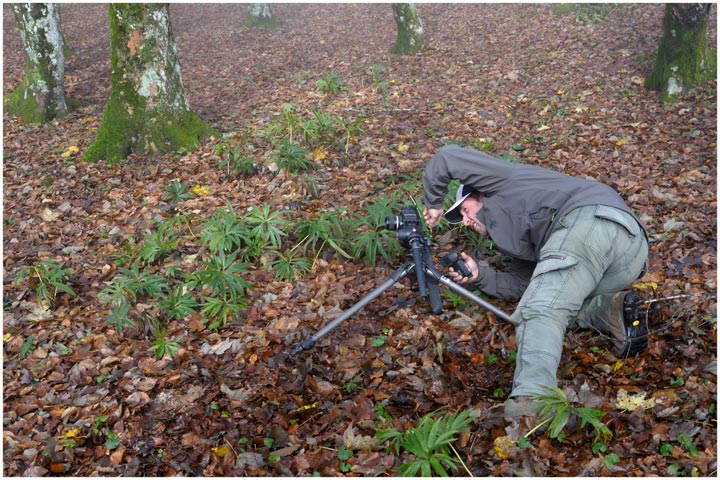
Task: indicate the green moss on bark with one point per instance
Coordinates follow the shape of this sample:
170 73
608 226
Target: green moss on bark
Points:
147 112
684 59
259 15
410 35
122 133
40 97
24 105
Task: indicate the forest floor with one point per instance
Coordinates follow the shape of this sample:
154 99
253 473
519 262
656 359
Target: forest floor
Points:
81 399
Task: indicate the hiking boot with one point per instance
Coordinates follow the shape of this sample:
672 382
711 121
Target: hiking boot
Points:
627 324
521 407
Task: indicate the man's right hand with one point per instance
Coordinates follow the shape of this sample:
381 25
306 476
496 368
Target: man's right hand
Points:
432 216
471 264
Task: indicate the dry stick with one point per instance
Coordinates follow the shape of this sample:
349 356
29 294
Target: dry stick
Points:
676 297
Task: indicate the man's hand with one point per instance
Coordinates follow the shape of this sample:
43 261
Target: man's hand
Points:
471 265
432 216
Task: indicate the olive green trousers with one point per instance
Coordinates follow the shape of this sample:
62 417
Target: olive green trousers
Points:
595 252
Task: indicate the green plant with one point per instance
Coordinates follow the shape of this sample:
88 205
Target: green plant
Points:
49 278
353 384
234 161
588 13
223 231
675 470
511 356
598 447
129 285
284 125
222 275
369 244
344 455
331 83
483 144
556 410
687 442
455 300
266 226
160 242
292 157
28 346
288 266
325 128
162 346
381 413
377 73
373 238
134 283
665 449
350 129
111 439
326 228
310 131
119 317
178 303
176 192
127 253
611 459
430 441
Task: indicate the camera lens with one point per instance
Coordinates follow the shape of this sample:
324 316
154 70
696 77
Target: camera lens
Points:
393 222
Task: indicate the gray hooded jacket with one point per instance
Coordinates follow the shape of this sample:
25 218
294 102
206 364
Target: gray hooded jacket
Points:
521 203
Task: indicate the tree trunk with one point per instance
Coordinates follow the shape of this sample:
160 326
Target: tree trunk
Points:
410 37
259 14
147 112
41 95
684 59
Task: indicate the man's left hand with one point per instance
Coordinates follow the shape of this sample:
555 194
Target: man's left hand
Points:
432 216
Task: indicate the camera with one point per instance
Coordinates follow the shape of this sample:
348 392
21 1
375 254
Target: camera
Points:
408 225
456 262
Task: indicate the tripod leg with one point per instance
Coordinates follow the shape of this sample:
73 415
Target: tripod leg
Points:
469 295
399 274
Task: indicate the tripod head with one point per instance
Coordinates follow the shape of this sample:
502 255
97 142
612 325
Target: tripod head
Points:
411 235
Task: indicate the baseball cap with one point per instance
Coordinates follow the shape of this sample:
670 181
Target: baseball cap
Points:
453 214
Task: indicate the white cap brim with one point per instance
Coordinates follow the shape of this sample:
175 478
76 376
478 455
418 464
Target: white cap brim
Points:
453 215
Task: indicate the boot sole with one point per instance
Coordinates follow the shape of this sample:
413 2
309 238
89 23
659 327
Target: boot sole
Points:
635 324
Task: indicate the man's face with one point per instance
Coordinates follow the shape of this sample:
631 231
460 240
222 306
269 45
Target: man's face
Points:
469 210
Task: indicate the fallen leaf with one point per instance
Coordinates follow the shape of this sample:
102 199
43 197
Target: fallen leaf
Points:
629 403
220 452
49 216
70 151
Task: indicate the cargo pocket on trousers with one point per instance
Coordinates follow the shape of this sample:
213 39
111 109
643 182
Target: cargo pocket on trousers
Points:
619 217
550 263
551 279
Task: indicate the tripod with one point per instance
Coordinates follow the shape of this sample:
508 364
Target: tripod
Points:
427 275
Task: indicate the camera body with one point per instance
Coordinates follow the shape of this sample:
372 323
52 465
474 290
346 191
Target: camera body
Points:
408 225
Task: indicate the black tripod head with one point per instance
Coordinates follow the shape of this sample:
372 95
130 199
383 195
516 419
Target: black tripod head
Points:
411 235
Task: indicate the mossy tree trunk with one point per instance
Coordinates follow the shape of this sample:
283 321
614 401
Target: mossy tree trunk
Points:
684 59
147 112
259 14
410 35
41 95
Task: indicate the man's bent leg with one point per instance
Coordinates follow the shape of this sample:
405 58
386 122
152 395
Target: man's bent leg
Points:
566 274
